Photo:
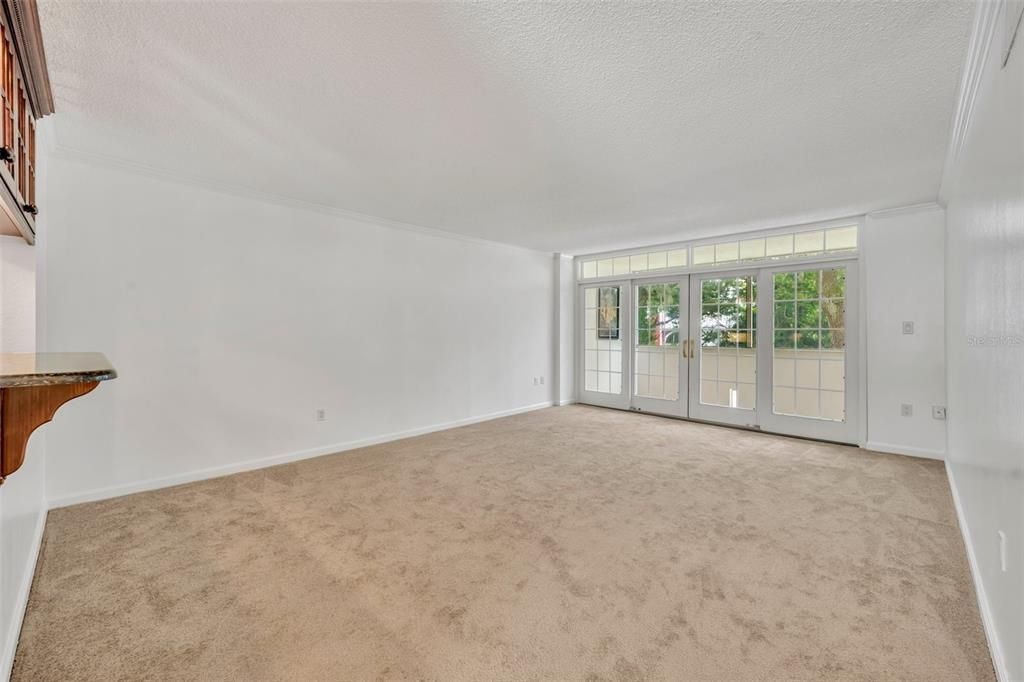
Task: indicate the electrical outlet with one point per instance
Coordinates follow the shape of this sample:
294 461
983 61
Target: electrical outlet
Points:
542 381
321 415
938 412
1002 550
908 327
535 381
906 410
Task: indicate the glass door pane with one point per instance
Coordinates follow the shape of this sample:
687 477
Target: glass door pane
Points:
725 318
812 386
808 357
604 340
659 333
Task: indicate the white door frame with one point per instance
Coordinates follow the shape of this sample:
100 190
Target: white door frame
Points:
847 431
717 413
619 400
670 408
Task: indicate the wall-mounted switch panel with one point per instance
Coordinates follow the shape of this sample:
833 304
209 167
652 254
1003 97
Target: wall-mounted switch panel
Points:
908 327
938 412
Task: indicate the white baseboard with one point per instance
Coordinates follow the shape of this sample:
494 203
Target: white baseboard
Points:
273 460
563 403
987 621
21 598
904 450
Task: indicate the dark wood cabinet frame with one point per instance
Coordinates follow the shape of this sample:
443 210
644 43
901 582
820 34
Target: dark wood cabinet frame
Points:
25 97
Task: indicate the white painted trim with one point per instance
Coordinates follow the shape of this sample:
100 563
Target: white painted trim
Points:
892 449
563 403
71 154
864 253
21 599
986 17
274 460
556 326
902 210
987 620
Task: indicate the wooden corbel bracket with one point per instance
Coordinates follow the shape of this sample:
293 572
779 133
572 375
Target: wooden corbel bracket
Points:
33 386
23 409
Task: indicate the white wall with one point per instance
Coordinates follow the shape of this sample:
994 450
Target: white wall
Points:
904 281
231 320
23 495
984 190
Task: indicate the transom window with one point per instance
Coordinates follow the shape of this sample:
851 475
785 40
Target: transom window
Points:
764 247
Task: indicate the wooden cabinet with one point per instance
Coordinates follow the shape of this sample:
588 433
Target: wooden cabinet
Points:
26 97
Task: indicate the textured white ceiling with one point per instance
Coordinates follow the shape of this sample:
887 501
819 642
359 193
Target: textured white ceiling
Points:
561 126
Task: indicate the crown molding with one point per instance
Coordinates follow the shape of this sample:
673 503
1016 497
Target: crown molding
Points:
902 210
65 152
986 17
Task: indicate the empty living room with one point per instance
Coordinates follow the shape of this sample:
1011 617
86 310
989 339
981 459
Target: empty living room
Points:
511 341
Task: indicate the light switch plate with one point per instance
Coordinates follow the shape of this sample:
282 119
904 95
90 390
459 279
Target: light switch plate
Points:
938 412
908 327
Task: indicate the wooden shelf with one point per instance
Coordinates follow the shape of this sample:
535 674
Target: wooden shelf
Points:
32 387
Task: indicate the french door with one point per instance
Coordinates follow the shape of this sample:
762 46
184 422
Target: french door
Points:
604 366
724 319
812 352
660 367
773 348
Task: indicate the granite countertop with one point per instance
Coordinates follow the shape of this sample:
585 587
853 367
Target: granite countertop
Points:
43 369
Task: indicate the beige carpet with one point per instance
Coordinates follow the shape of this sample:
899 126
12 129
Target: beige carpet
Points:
567 544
